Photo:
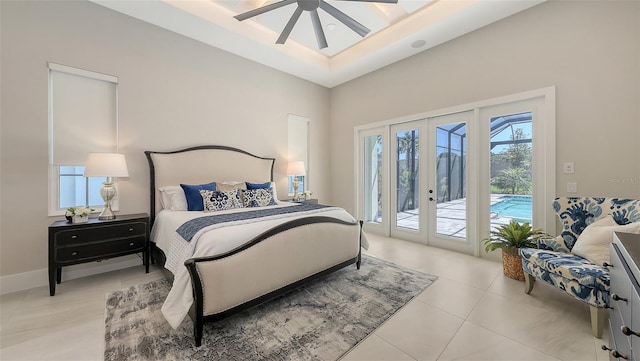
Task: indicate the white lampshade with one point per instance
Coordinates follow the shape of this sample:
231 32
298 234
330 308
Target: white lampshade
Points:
296 168
106 165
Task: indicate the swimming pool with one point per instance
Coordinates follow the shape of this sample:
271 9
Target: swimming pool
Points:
516 207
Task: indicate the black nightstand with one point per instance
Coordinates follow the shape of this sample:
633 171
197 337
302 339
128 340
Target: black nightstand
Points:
96 240
306 201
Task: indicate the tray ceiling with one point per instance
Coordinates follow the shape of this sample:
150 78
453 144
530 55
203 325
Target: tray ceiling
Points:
397 30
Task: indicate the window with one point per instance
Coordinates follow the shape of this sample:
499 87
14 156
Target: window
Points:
82 119
75 189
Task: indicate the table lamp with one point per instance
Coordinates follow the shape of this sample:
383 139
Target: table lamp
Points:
296 169
108 165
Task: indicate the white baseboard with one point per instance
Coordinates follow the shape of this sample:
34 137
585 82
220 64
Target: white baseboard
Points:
38 278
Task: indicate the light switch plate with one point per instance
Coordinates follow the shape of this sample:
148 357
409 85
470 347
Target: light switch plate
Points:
568 168
572 187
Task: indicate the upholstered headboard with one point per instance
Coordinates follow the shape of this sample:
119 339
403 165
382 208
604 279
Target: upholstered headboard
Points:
204 164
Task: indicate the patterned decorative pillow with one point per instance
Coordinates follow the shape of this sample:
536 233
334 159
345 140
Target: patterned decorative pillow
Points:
220 200
266 185
258 198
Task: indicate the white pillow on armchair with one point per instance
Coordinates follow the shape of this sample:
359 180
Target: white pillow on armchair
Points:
593 243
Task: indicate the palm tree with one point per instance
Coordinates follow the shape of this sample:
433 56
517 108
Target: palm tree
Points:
409 145
514 179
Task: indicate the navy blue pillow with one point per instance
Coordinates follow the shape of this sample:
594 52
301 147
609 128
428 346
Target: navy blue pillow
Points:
192 193
254 186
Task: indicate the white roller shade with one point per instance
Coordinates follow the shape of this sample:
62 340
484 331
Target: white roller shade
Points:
298 139
83 115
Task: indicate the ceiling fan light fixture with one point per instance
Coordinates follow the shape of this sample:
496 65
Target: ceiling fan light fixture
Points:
308 5
312 6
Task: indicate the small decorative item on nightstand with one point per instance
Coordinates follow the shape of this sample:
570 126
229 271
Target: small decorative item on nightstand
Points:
305 195
78 214
79 219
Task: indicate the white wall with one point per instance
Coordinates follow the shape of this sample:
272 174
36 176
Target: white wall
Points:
174 92
590 50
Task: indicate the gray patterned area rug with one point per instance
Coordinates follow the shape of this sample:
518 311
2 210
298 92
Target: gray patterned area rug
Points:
319 321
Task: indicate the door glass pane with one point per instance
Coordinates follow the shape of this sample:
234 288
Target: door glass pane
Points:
373 179
511 176
407 180
450 192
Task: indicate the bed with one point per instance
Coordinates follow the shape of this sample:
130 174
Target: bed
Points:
245 247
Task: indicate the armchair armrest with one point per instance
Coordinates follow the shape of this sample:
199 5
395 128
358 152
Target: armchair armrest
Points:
555 244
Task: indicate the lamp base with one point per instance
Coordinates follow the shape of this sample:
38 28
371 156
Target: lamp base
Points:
296 183
108 193
107 213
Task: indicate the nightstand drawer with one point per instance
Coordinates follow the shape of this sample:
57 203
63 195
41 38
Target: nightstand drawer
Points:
81 252
99 233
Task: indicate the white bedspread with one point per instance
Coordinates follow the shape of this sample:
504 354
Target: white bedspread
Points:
217 239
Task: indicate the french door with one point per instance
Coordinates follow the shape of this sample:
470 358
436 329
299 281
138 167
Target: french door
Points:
428 181
450 194
447 180
407 214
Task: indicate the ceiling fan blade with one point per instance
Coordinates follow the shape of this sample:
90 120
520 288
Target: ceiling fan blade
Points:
375 1
264 9
317 27
345 19
287 29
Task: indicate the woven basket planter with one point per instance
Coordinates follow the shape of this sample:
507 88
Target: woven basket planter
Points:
512 264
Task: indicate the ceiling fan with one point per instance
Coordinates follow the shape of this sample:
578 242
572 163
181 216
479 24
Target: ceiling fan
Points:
312 7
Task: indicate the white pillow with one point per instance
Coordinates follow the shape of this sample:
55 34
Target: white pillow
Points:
173 198
273 189
593 243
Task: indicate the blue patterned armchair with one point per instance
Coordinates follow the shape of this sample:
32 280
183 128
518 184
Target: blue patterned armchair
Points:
554 263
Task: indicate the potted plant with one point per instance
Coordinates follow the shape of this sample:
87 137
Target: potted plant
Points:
509 238
78 214
306 195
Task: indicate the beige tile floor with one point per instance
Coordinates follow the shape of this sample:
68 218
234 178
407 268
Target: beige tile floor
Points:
472 312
